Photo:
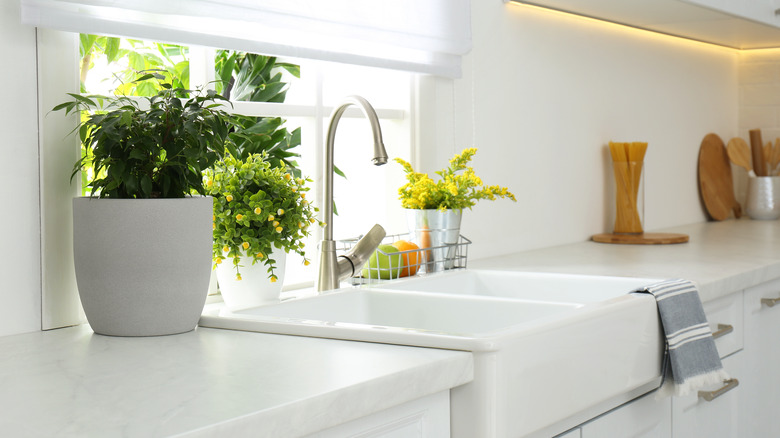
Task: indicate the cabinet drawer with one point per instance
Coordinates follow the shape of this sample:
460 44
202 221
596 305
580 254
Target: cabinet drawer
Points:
694 416
644 417
725 317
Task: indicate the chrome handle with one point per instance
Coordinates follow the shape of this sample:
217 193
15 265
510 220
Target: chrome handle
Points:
712 395
723 329
770 302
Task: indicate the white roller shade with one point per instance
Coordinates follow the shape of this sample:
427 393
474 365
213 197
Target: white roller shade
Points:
426 36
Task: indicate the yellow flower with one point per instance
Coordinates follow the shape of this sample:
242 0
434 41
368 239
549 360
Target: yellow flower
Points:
225 248
218 261
259 255
273 279
287 176
229 197
245 245
303 195
301 225
213 226
280 211
306 263
238 277
279 229
276 223
239 216
258 210
312 220
270 217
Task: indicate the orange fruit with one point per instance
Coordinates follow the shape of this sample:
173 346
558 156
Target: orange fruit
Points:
410 259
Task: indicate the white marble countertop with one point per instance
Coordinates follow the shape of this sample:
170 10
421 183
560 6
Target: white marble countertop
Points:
721 257
73 383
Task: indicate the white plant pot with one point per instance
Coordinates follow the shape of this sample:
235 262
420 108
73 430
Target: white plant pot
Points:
142 265
254 289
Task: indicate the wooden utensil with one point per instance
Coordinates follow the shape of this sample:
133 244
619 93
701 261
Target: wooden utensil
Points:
739 152
774 157
715 183
756 146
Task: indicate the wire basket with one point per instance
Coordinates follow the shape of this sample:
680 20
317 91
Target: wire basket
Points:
407 263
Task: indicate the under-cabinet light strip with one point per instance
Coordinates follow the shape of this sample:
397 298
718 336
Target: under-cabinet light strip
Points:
614 24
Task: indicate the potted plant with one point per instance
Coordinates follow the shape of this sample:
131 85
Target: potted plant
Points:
260 214
142 237
435 208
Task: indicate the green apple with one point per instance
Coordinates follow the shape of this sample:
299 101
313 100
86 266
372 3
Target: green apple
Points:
384 264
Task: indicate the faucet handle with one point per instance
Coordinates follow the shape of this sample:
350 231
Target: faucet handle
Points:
362 250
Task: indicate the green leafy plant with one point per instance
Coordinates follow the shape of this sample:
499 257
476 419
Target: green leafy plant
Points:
155 152
257 207
170 60
258 78
458 187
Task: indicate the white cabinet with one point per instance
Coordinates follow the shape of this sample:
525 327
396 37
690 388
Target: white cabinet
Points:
761 387
762 11
428 417
574 433
744 24
714 411
645 417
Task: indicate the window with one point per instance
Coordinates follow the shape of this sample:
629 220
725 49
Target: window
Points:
368 194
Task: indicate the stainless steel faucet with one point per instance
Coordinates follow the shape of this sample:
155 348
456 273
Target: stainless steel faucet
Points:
332 268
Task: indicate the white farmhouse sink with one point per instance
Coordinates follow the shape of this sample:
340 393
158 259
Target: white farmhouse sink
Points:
524 285
549 350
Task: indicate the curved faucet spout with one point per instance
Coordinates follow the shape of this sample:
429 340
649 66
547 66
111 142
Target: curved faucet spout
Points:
332 270
380 154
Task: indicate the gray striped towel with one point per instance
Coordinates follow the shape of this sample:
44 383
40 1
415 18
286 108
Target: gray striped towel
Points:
691 359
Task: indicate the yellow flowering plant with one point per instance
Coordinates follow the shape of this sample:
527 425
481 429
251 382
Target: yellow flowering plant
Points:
458 187
257 207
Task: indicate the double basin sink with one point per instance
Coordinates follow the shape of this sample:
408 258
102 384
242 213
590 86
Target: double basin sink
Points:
550 350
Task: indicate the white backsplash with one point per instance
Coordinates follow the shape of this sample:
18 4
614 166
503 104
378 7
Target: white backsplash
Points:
759 103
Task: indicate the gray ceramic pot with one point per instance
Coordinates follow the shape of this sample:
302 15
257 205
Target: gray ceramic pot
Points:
142 265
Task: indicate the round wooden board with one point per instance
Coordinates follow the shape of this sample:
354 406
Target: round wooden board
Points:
715 183
642 239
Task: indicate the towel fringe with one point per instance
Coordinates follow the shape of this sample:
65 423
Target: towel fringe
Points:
692 384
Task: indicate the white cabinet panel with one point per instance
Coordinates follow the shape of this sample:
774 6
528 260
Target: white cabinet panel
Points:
762 11
761 387
725 316
574 433
645 417
694 416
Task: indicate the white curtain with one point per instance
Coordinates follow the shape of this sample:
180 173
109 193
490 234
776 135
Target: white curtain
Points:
426 36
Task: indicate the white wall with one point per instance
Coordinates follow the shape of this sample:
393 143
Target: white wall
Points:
20 294
542 95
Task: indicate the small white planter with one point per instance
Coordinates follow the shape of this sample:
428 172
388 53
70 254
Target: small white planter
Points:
254 288
142 265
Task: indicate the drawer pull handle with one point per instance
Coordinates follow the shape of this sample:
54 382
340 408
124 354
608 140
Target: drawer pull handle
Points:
770 302
712 395
723 330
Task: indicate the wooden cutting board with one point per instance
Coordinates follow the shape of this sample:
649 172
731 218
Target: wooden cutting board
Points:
715 183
